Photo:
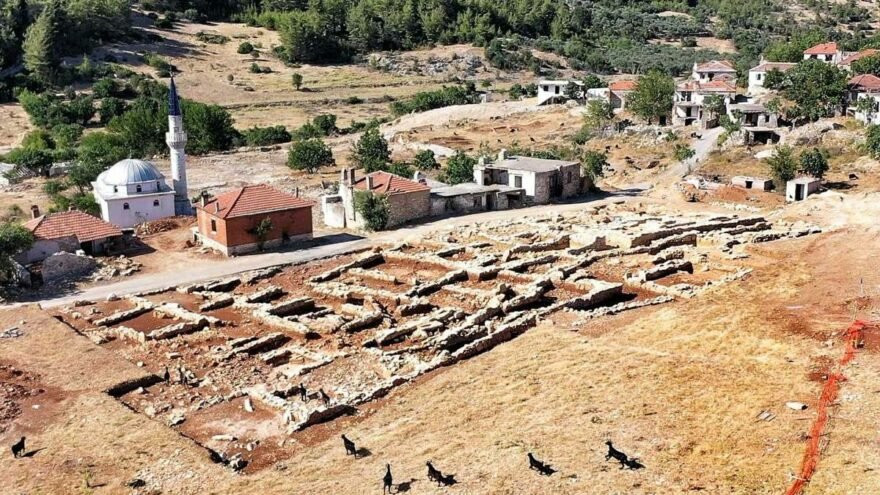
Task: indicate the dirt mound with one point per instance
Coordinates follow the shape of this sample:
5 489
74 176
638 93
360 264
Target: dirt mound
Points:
730 193
163 225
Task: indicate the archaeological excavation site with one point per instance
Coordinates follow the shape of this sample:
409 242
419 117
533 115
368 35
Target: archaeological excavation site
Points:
258 367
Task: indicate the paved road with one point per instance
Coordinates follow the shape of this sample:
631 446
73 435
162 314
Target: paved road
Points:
205 270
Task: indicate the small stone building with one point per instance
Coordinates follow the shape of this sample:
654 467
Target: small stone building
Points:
407 199
228 222
69 232
798 189
468 197
760 183
542 180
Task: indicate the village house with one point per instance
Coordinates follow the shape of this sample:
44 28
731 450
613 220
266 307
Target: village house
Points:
714 70
847 61
471 197
690 97
824 52
553 91
541 180
229 222
619 91
758 74
407 199
864 98
758 124
68 231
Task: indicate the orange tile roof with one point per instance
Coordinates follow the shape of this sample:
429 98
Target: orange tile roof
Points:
867 82
859 55
83 226
253 200
386 183
716 66
822 49
628 85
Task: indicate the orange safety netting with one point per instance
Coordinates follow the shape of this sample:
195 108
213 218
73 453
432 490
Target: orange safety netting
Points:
853 338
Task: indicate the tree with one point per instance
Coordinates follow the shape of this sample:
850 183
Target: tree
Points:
309 155
683 152
599 115
425 160
814 162
594 164
14 239
111 107
573 91
261 232
714 105
209 127
42 53
782 164
867 65
817 89
326 123
82 174
652 98
371 151
774 79
459 169
297 80
373 208
100 150
592 81
872 141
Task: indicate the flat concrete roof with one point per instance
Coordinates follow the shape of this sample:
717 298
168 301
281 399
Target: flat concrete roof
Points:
472 188
529 164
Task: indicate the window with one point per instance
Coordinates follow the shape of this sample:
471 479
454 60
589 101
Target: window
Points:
115 189
125 206
546 88
517 181
155 202
138 188
758 76
213 225
557 89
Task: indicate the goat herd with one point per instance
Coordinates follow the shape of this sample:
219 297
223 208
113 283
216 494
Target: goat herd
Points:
437 476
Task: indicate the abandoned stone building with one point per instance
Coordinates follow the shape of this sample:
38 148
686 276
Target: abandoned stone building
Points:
541 180
473 198
407 199
68 231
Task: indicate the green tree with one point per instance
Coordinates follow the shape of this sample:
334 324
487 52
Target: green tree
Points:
573 91
82 174
309 155
715 105
459 169
111 107
775 80
42 53
814 162
594 164
867 65
326 123
373 208
371 151
652 98
592 81
783 165
872 141
261 232
817 89
683 152
100 150
209 127
14 240
425 160
297 80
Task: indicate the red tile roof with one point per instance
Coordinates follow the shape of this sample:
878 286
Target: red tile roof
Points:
822 49
85 227
253 200
865 82
628 85
859 55
716 66
385 183
768 66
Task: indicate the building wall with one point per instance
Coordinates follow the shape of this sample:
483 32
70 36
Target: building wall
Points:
333 211
549 91
140 210
43 248
235 233
404 207
461 204
809 189
872 118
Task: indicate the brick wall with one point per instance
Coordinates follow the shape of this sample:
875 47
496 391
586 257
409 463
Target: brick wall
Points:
237 231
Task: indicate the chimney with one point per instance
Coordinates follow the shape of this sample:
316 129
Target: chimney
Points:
481 162
343 179
296 191
203 199
71 208
369 183
351 175
502 155
216 207
35 211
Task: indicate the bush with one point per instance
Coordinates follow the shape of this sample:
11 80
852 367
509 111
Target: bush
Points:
783 165
164 23
66 135
14 239
105 88
245 48
373 208
371 151
594 164
297 80
682 152
265 136
307 131
354 100
35 160
157 62
326 123
429 100
425 160
257 69
111 107
459 169
872 141
814 163
400 168
309 155
212 38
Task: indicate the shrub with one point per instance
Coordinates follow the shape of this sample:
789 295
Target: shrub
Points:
297 80
783 165
309 155
35 160
164 23
400 168
593 164
373 208
306 131
429 100
459 169
872 141
265 136
682 152
66 135
245 48
354 100
14 239
425 160
814 162
326 123
111 107
105 88
157 62
212 38
371 151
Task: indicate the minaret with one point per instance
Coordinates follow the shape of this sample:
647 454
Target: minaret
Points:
176 140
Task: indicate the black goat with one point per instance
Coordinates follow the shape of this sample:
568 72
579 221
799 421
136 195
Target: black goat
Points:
616 454
544 469
301 391
434 474
167 375
634 464
324 397
18 448
387 480
350 448
448 480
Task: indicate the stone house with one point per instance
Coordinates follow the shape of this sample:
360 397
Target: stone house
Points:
758 124
619 91
758 74
407 199
69 232
862 88
714 70
690 96
228 222
541 180
473 198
